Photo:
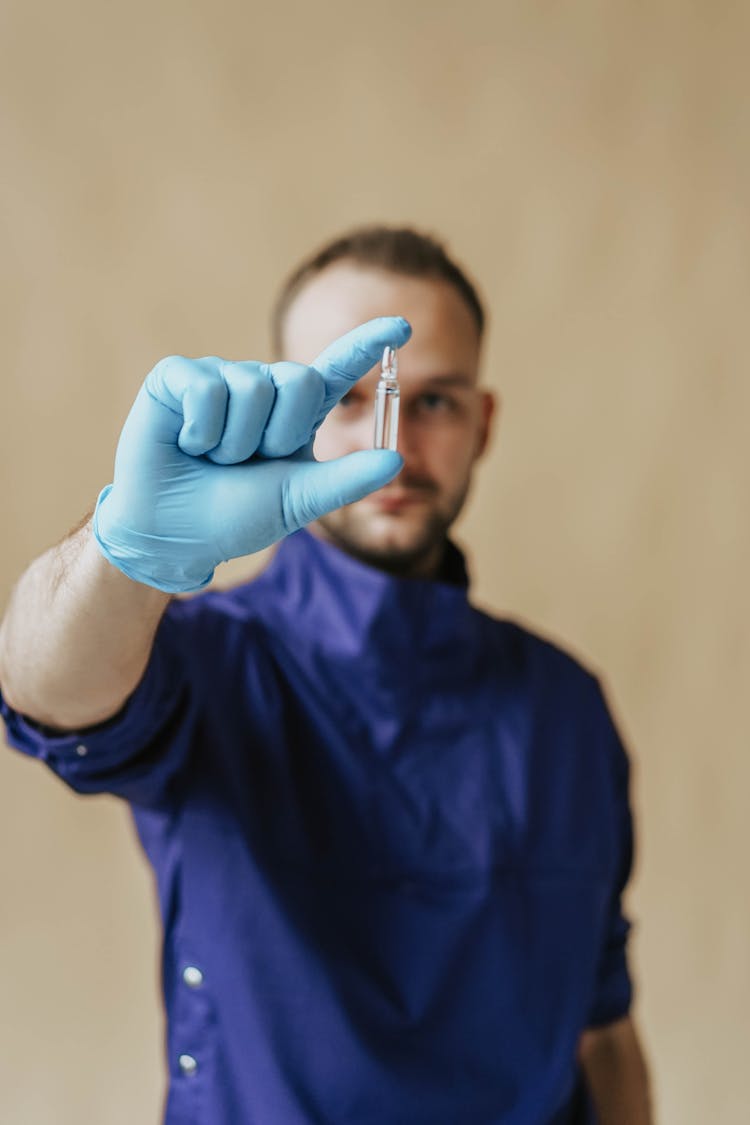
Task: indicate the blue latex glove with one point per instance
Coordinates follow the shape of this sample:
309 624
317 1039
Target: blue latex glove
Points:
215 459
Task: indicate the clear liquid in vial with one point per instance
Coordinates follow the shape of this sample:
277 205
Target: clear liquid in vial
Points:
387 398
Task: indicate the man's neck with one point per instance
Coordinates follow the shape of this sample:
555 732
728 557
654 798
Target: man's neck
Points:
425 565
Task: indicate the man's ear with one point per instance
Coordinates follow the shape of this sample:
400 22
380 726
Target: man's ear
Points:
490 406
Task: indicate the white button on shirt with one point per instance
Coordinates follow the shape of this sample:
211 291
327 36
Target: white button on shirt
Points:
188 1065
192 976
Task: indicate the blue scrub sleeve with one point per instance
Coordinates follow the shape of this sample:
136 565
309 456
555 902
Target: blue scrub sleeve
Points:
138 754
613 992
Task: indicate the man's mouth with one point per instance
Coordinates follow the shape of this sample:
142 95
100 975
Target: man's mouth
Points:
394 499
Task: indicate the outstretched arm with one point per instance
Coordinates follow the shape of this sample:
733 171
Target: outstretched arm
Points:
214 462
76 636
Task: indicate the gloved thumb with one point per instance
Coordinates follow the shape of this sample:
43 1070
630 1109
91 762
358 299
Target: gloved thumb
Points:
318 487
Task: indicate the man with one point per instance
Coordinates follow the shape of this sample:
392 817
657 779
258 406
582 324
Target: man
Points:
390 833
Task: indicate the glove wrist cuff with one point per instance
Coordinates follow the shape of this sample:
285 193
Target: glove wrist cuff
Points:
141 557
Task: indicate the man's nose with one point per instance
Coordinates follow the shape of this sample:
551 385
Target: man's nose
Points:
410 439
363 437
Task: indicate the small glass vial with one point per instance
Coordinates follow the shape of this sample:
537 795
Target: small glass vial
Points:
386 402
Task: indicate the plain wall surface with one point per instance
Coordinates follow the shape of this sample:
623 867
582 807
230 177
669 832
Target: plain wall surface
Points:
162 167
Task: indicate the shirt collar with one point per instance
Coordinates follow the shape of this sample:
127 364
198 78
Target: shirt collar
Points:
335 603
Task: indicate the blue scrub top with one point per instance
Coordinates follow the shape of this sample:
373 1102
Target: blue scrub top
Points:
390 834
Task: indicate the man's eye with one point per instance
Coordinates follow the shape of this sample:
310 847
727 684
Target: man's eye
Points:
351 402
433 402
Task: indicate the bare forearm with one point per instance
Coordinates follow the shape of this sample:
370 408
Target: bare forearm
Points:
77 636
616 1074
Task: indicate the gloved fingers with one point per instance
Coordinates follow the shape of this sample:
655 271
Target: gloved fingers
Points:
315 488
353 355
250 402
224 405
194 389
300 392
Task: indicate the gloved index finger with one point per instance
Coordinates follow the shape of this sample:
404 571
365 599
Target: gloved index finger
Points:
350 357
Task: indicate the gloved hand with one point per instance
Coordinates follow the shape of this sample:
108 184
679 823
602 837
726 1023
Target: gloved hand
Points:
215 459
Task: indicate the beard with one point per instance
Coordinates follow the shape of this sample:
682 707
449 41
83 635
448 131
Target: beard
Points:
405 543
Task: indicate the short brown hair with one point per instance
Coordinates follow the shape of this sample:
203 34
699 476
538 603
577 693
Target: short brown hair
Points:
395 249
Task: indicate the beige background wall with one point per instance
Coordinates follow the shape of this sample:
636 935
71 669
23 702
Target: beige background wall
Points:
161 167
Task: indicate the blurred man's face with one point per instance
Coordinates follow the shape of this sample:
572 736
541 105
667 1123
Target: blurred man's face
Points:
444 416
